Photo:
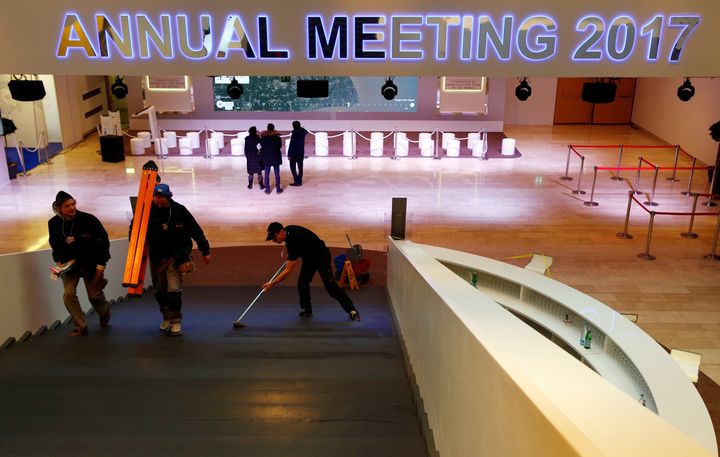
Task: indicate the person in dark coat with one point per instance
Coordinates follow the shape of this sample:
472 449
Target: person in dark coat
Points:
271 156
307 250
170 233
296 152
81 248
252 156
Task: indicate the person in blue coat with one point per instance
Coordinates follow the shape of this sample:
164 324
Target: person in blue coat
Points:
296 152
271 156
252 156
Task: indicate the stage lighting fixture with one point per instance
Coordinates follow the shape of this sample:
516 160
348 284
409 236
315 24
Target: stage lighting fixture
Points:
523 91
119 89
686 91
234 89
389 90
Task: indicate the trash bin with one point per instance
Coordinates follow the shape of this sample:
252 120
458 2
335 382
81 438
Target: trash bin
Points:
12 169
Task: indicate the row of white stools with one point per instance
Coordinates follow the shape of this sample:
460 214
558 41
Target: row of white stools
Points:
401 144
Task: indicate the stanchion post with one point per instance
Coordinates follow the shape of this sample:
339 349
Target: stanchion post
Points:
677 154
592 190
689 233
710 201
692 172
394 155
566 176
646 255
637 190
617 177
578 191
651 201
624 234
713 255
436 154
207 144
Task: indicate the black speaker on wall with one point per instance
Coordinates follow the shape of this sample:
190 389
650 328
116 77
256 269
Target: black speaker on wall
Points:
26 90
599 92
313 88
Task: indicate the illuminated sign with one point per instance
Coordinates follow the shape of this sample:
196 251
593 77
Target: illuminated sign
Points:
374 38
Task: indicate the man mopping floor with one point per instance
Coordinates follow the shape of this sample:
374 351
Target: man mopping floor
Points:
303 244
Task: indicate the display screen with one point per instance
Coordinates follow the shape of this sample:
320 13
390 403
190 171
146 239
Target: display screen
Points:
345 94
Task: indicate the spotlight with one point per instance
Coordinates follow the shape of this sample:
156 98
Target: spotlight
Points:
686 91
234 89
523 91
389 90
119 89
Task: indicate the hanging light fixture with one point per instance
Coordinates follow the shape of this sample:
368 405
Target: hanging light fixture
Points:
389 90
119 89
234 89
523 91
686 91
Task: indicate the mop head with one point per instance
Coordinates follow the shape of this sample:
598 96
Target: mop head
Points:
238 324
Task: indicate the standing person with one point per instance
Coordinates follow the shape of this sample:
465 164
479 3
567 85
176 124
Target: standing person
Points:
80 242
171 229
304 244
271 156
296 152
252 156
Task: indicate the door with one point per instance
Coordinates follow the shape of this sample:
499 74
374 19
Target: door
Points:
571 109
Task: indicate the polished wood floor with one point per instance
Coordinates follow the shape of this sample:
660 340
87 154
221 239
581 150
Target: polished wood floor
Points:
498 208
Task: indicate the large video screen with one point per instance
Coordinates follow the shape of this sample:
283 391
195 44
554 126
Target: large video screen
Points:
346 94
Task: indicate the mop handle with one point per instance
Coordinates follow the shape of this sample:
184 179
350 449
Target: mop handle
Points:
261 292
349 242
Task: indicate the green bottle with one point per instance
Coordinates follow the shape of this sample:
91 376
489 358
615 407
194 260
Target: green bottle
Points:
474 279
588 339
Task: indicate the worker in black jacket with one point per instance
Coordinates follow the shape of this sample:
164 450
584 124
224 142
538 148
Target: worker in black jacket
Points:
271 156
170 233
81 249
303 244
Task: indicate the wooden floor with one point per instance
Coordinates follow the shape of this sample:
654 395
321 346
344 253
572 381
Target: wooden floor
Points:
497 208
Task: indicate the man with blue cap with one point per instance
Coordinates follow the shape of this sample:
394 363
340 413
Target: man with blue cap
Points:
171 231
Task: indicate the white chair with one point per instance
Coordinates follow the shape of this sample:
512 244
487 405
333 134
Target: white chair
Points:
137 146
214 146
508 147
453 148
185 145
237 146
539 263
146 139
401 144
322 146
688 361
194 139
170 138
349 143
220 138
472 138
446 137
376 144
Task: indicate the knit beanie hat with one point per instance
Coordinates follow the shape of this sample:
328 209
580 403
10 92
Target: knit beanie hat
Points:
61 197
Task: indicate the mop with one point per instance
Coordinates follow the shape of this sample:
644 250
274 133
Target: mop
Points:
237 323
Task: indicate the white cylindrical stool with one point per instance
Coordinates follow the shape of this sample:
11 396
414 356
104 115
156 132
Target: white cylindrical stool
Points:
425 139
401 144
472 139
453 149
322 146
349 143
145 136
185 145
213 146
220 138
479 148
237 146
376 144
162 144
194 139
287 145
137 146
508 147
170 139
446 137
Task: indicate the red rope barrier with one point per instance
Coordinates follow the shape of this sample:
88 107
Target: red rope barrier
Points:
627 168
605 146
573 150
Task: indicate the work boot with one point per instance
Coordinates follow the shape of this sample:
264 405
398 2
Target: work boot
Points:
105 319
305 313
165 325
79 332
354 316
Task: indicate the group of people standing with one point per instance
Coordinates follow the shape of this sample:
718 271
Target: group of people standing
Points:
81 249
264 151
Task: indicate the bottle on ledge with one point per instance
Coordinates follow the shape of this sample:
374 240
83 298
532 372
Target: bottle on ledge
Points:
582 335
588 339
474 279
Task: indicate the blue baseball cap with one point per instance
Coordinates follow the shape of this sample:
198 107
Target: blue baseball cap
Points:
162 190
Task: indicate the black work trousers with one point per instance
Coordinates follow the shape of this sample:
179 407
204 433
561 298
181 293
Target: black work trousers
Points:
296 168
320 263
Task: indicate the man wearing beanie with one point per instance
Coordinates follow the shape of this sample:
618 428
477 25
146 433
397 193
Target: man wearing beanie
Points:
170 233
79 239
